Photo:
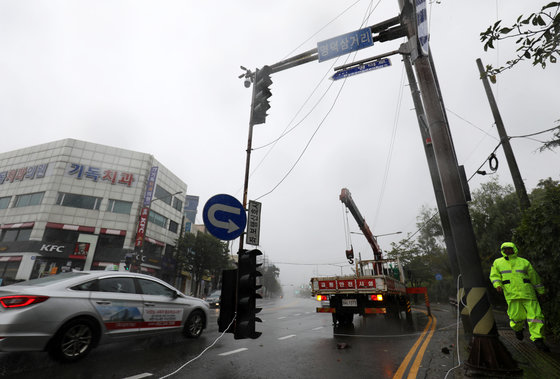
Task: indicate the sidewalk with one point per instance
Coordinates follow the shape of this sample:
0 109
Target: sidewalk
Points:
535 364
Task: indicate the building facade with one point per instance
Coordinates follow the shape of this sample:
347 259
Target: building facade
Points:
74 205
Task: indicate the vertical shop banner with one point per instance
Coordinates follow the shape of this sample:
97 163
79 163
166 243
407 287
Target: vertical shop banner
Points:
142 223
143 219
150 186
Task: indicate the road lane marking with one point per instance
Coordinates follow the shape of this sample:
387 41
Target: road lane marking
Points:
233 351
139 376
317 328
297 314
286 337
402 368
416 365
280 318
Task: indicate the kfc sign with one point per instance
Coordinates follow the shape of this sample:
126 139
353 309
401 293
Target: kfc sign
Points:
141 231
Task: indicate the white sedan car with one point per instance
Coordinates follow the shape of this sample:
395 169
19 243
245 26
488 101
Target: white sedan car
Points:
70 313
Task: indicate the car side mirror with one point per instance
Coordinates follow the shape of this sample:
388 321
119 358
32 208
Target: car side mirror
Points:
175 294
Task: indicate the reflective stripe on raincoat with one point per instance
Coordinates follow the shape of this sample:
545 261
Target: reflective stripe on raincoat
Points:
516 276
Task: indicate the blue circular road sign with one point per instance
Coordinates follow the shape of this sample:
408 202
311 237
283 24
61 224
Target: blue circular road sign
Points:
224 217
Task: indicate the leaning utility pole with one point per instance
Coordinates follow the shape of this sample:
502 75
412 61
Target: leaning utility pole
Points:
524 202
487 352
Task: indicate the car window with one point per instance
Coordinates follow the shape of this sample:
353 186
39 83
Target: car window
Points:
119 285
87 286
149 287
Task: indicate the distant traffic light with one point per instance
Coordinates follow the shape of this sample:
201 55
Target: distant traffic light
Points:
227 301
247 295
261 93
127 262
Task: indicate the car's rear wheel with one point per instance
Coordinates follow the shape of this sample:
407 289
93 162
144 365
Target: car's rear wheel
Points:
73 341
194 325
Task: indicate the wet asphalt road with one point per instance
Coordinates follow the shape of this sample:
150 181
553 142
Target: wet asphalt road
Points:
296 343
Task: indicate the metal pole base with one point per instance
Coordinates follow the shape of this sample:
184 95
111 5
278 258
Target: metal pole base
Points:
489 356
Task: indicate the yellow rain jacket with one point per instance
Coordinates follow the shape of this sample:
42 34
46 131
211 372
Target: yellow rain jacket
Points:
516 276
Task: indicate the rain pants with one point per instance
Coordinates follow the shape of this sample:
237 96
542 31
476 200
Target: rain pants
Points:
521 284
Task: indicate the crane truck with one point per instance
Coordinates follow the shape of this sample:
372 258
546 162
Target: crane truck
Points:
377 286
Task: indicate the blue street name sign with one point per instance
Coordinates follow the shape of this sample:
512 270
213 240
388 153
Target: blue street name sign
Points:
224 217
361 68
344 44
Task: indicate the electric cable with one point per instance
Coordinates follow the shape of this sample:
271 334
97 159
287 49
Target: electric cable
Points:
203 351
320 30
391 148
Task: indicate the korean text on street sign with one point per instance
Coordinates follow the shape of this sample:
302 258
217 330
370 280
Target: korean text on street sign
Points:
344 44
361 68
224 217
422 25
253 223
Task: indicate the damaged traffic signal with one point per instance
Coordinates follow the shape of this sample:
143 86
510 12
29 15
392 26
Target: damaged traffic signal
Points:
247 295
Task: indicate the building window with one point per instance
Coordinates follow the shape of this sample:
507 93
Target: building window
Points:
4 202
60 236
157 219
178 204
119 206
173 226
78 201
28 199
162 195
9 235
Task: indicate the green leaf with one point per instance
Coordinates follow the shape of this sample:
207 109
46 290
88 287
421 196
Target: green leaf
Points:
527 55
505 30
550 5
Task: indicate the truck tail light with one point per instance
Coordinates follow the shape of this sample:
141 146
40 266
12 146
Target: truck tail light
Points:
377 297
321 297
20 301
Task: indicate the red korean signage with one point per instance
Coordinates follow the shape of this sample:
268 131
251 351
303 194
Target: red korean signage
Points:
366 283
142 223
81 250
346 284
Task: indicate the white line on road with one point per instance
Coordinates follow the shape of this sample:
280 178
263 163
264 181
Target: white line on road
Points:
280 318
286 337
139 376
234 351
317 328
297 314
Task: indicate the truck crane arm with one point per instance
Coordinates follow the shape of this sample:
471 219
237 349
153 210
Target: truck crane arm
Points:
347 200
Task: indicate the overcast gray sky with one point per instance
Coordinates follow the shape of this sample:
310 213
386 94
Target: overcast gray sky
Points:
161 77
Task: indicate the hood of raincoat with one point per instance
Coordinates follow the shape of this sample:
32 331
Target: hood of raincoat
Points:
509 244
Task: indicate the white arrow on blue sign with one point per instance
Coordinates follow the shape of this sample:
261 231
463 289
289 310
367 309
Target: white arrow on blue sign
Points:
224 217
385 62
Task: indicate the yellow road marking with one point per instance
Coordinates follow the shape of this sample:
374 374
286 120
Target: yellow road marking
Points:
416 365
402 368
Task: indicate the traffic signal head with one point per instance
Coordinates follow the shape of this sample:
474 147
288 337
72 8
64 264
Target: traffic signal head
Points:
127 262
227 301
247 295
261 93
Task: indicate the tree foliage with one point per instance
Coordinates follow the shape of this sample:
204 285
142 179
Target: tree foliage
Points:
538 239
538 37
270 281
203 255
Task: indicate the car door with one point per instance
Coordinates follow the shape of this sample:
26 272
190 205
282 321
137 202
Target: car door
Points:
119 305
163 310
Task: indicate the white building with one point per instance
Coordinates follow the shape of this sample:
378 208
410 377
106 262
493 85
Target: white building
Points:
72 204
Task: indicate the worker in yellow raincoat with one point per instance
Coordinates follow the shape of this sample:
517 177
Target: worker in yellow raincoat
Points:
516 278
